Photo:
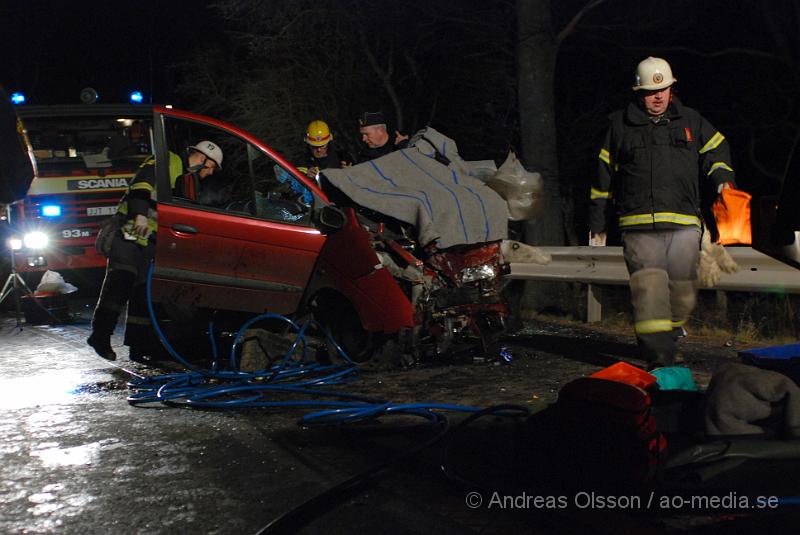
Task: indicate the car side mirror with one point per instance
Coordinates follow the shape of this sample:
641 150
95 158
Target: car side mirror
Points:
331 218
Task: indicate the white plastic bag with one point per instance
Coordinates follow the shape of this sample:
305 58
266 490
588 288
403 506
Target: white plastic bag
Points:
522 190
53 282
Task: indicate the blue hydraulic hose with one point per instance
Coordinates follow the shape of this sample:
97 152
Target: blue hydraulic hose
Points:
157 327
233 388
213 340
248 323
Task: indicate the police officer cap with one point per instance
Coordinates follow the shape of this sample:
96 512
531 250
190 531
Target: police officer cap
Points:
371 118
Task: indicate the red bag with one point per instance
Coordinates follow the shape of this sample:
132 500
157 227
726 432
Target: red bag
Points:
606 428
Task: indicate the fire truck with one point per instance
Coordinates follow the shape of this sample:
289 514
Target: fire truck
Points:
85 157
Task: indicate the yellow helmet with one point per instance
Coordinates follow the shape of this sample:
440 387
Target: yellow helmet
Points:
653 74
318 134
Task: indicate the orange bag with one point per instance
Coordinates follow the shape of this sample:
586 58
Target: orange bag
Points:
732 213
622 372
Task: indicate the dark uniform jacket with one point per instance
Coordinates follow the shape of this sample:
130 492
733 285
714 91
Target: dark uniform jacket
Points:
331 161
372 153
651 170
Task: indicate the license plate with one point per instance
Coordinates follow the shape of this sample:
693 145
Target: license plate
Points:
101 210
68 233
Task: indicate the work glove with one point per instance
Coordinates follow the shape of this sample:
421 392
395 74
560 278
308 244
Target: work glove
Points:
597 239
140 226
714 260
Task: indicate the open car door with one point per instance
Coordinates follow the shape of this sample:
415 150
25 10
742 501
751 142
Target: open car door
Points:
245 238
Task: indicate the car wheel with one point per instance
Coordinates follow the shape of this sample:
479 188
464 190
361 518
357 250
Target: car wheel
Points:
341 321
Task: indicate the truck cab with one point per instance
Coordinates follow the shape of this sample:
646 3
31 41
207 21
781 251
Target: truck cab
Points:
85 156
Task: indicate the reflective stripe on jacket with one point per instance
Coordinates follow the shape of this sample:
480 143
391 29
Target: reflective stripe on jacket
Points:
141 196
652 170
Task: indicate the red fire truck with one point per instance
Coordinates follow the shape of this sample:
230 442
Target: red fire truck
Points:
85 156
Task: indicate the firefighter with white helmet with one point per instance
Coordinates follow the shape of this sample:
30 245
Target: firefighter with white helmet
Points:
654 155
133 247
652 74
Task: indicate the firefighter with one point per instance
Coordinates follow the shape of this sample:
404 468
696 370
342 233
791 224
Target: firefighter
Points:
655 152
375 134
133 247
318 138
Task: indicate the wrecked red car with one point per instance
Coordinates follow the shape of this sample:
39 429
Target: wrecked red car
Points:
262 237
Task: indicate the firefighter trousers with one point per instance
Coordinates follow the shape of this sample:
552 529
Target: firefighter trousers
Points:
125 284
663 280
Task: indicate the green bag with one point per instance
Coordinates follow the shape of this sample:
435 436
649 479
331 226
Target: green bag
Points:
675 378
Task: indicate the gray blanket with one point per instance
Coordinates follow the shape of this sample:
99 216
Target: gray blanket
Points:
744 400
443 203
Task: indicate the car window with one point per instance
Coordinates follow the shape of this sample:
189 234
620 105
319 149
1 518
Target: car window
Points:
250 182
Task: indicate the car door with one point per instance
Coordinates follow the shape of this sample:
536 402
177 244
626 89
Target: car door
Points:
244 240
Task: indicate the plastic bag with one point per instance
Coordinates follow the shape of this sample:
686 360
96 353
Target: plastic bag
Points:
732 213
522 190
53 282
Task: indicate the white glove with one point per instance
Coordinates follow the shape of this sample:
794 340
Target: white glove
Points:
140 226
714 260
597 239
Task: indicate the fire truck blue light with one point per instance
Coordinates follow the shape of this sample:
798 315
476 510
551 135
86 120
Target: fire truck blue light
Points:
51 210
17 98
136 97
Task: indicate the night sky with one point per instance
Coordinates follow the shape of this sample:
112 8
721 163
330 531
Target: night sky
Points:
53 49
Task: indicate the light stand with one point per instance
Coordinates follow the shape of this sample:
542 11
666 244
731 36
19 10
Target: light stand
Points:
14 283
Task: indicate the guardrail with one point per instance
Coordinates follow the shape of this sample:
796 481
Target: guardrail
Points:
605 265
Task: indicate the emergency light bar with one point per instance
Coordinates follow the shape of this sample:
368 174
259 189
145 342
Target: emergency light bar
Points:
17 98
51 210
136 97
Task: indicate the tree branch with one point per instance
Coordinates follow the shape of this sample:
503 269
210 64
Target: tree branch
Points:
573 23
384 76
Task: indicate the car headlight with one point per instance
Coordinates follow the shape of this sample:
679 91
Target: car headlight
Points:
478 273
35 240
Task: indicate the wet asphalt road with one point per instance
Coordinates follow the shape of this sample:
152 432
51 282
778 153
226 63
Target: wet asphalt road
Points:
75 457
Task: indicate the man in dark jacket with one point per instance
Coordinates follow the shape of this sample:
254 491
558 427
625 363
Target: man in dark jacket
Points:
375 134
654 155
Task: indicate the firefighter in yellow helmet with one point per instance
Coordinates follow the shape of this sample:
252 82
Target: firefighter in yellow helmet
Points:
322 154
654 155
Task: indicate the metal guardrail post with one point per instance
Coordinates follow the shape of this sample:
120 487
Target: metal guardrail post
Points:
594 310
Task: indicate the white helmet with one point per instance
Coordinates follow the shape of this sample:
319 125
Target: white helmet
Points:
211 150
653 74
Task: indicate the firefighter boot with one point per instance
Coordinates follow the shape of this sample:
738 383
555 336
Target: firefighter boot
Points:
682 298
103 324
140 336
652 316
